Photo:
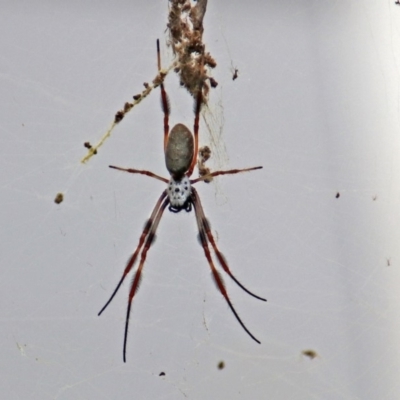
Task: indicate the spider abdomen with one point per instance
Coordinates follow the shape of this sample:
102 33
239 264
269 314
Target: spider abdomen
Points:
179 151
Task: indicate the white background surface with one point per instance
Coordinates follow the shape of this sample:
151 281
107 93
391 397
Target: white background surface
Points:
316 103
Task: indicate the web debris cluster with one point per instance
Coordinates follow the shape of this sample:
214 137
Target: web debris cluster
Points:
191 61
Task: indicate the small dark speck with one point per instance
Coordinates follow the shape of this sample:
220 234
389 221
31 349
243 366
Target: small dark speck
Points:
186 188
176 190
221 365
161 374
337 195
235 74
59 198
311 354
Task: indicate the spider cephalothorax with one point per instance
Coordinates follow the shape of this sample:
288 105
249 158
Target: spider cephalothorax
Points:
179 194
181 148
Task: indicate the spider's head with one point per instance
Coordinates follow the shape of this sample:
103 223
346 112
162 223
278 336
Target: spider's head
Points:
179 192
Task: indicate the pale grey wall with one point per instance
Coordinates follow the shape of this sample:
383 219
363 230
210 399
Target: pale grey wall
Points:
316 103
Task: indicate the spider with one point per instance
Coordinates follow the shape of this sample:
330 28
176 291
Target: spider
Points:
181 149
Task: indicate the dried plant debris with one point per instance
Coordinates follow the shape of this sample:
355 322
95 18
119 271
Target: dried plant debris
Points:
193 62
59 198
204 155
311 354
119 115
221 365
89 146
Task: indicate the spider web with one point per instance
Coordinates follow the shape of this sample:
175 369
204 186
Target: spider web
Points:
316 231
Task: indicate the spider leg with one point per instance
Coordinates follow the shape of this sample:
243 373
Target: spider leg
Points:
164 99
140 171
206 228
149 225
136 279
197 109
227 172
216 275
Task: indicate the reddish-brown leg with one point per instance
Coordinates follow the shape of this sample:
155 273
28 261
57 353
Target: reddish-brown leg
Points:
136 279
206 227
164 99
199 102
140 171
227 172
147 228
218 279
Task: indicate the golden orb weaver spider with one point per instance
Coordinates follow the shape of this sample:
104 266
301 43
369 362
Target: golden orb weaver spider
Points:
181 148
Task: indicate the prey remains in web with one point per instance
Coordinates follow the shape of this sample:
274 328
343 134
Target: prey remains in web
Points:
191 62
